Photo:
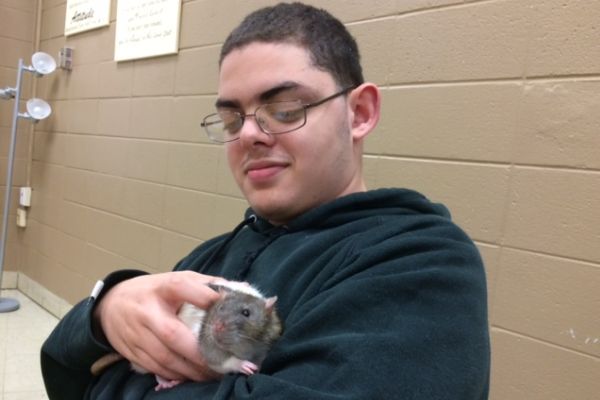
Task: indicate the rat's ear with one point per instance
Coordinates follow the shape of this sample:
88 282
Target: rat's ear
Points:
219 288
270 302
214 286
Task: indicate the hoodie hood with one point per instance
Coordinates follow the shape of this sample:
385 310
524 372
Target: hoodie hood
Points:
380 202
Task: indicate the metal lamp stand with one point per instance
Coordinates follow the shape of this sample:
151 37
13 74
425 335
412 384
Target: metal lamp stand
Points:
8 304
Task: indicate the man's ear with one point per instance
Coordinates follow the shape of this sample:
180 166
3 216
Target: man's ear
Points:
365 107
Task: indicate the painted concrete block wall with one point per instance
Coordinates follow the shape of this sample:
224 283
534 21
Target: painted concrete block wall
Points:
18 21
490 106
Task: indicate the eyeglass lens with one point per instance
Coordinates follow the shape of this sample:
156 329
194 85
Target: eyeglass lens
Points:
272 118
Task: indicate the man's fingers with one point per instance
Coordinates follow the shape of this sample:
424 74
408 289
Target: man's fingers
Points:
162 360
182 353
190 287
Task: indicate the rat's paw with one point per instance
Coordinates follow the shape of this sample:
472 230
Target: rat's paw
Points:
234 364
165 384
248 368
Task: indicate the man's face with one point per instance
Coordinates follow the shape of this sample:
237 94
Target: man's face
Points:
284 175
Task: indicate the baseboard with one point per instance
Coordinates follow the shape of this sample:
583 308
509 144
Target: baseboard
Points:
36 292
9 280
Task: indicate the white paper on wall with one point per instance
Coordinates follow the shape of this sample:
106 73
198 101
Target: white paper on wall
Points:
84 15
147 28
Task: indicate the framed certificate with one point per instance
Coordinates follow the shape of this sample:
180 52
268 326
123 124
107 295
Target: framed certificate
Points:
84 15
147 28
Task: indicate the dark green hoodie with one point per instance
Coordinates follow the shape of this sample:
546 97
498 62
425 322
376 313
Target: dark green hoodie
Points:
381 295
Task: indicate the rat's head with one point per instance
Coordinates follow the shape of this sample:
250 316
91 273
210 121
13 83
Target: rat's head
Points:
241 323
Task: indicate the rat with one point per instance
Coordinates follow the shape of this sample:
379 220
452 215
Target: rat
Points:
234 334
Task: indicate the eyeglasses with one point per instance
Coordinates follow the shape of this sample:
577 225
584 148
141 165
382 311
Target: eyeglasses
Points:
272 118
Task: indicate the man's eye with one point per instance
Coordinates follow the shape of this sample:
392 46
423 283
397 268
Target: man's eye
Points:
288 115
231 127
231 122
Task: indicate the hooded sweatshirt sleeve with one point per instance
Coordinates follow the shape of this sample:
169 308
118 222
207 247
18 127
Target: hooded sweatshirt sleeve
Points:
72 347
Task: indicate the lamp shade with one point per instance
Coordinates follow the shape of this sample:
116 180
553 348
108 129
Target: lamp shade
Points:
38 109
43 63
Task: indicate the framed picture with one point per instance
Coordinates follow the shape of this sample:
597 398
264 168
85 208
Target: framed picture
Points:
84 15
147 28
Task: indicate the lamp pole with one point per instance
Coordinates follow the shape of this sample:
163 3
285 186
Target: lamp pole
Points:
42 64
8 304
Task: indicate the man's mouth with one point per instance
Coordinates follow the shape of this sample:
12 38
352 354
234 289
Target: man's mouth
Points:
263 170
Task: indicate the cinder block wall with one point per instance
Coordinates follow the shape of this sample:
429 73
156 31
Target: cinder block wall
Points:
17 37
490 106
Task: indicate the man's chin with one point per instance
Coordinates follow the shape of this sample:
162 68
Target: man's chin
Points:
275 213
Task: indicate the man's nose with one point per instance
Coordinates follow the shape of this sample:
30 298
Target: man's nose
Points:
251 131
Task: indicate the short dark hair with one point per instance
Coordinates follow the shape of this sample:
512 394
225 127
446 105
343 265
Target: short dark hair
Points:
329 43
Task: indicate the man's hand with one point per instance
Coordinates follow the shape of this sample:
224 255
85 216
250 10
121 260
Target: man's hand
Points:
139 318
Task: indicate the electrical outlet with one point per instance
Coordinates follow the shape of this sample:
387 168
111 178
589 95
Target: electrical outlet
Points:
21 217
25 196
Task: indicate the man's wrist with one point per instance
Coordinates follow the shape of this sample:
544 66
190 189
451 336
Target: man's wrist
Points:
99 291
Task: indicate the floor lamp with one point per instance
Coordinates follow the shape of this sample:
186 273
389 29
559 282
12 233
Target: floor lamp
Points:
37 109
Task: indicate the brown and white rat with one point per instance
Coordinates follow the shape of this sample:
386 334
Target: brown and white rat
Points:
234 334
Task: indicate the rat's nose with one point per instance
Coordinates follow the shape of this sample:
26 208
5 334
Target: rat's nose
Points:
218 327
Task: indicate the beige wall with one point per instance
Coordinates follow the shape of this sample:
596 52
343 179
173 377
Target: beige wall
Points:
18 21
491 107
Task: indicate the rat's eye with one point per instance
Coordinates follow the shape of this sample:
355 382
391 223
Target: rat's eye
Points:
245 312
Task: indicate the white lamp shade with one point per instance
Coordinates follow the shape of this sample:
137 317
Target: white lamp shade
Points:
38 109
43 63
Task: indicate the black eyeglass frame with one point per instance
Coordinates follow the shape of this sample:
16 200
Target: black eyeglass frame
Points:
242 117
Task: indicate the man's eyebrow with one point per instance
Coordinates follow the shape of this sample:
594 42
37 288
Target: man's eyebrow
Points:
226 104
263 97
282 87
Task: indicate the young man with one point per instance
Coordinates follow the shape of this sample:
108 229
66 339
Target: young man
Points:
381 295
